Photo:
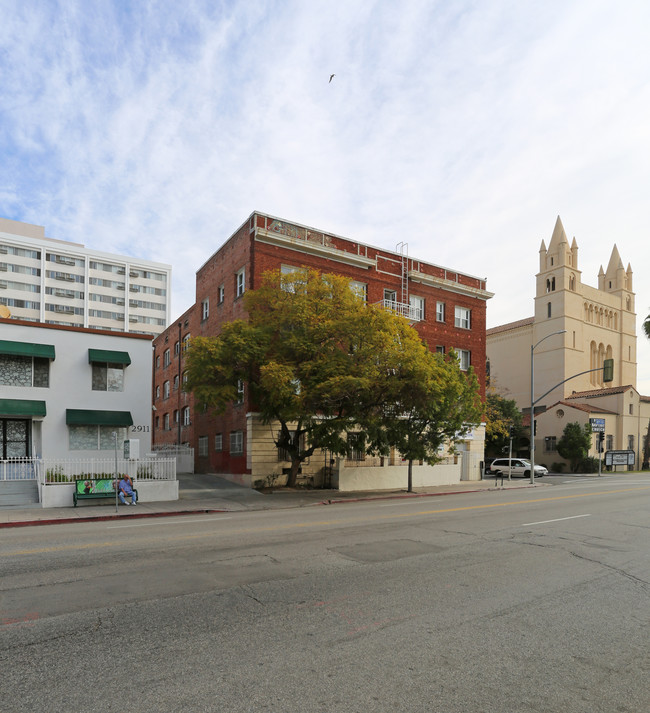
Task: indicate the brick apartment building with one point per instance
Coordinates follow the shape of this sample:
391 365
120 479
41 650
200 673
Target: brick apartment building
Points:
447 307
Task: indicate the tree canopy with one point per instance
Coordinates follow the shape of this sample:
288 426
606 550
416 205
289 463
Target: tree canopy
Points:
575 443
500 415
319 364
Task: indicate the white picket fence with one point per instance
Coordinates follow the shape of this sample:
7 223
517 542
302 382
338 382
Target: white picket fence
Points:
58 470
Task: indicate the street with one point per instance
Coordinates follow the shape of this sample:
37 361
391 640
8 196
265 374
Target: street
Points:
493 602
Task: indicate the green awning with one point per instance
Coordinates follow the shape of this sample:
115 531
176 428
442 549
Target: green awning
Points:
87 417
27 349
103 356
22 407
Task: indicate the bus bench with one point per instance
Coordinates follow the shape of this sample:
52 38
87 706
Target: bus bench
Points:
95 488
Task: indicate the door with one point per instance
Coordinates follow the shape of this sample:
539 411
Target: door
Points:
14 436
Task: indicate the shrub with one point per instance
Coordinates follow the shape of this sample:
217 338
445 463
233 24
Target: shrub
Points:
589 465
558 467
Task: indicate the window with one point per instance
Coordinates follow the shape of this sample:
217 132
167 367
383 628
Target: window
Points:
176 416
218 442
283 453
288 271
166 422
176 383
440 349
462 317
550 444
240 282
548 310
166 390
360 289
356 446
464 358
631 409
158 391
184 386
24 371
167 360
157 423
390 296
95 438
158 362
186 342
107 377
203 446
236 443
440 311
630 443
222 293
609 442
205 309
186 416
240 392
177 348
417 307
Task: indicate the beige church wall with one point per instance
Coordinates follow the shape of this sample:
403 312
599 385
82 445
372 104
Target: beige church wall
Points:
509 355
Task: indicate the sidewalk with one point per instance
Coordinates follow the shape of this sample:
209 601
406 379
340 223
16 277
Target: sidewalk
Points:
226 497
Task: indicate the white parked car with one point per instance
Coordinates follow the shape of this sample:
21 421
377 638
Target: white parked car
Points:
520 466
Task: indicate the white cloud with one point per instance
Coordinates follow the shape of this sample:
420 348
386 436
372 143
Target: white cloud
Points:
463 128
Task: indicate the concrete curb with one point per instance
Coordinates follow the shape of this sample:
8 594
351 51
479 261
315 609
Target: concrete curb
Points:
207 510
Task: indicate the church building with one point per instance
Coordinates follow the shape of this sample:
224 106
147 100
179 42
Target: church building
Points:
575 328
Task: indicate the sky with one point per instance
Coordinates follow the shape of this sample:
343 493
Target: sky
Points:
153 128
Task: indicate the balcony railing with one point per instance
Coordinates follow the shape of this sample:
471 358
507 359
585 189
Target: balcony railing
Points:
413 314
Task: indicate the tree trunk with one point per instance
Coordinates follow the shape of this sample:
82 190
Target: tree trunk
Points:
410 485
293 473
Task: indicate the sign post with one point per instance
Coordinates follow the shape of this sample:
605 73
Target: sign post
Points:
598 426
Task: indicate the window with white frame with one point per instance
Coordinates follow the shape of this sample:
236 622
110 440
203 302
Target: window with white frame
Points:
176 382
205 308
177 348
24 371
184 381
166 390
218 442
440 311
186 342
550 444
186 416
287 271
240 392
417 307
440 349
360 289
203 446
221 292
464 359
158 391
462 317
240 282
236 443
95 438
390 295
176 416
167 360
166 422
107 377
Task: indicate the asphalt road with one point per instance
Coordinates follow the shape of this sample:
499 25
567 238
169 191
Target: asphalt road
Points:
521 600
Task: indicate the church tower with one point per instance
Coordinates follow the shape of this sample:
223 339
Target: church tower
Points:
598 323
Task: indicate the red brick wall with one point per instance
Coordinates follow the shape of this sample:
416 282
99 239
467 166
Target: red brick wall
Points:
241 250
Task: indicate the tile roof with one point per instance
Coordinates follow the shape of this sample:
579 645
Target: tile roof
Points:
600 392
587 408
511 325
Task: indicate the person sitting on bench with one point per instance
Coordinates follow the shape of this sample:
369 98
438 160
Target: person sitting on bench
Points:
125 488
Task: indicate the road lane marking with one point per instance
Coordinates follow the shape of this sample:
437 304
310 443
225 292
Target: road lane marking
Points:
167 522
557 519
336 521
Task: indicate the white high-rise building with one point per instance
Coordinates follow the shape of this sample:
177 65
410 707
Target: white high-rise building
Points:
60 282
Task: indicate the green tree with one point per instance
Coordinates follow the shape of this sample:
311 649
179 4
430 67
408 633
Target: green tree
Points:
646 326
429 402
575 444
311 354
500 415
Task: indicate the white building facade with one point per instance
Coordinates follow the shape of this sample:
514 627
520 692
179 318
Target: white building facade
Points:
64 391
64 283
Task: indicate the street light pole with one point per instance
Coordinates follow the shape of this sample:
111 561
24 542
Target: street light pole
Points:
532 402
